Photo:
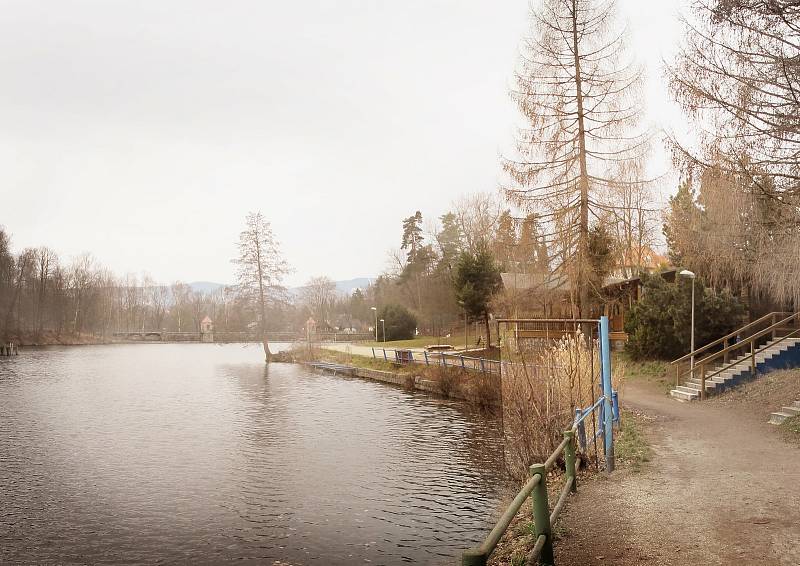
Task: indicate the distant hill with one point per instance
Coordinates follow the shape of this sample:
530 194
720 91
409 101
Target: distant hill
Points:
345 287
205 286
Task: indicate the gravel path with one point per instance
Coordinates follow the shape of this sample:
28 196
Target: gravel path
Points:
722 488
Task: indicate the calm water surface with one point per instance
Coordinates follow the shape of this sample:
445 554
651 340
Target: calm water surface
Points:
197 453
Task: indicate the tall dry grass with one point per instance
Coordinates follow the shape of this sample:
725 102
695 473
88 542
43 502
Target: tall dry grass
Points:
541 389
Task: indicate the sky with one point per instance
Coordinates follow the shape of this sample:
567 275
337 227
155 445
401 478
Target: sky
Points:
143 131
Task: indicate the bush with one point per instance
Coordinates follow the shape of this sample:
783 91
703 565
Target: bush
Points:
400 323
659 324
541 390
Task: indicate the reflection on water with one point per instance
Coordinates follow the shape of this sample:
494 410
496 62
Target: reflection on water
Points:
199 453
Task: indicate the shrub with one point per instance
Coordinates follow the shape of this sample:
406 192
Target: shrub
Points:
400 323
659 324
541 390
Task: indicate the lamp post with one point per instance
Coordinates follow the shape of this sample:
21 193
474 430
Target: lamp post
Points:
383 327
375 310
690 275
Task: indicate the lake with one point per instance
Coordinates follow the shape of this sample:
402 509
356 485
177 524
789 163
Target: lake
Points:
199 453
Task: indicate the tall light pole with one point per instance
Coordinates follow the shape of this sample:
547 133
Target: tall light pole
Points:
690 275
375 310
383 327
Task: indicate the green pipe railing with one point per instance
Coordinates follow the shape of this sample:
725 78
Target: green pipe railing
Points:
536 486
536 489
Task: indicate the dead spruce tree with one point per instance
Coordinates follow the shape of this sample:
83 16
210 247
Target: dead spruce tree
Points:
261 268
738 77
579 91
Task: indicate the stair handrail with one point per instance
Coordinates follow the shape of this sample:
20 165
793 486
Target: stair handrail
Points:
726 337
723 340
752 354
750 340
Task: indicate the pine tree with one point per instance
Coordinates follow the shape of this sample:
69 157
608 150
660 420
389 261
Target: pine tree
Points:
578 90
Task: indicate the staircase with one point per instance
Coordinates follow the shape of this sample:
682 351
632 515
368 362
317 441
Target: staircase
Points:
769 343
785 413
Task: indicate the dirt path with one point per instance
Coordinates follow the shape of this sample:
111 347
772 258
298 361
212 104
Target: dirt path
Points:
722 488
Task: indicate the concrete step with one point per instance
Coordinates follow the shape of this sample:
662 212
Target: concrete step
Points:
697 384
778 417
791 410
684 396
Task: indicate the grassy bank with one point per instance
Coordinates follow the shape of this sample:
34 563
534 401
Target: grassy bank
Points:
656 372
792 426
457 341
50 338
631 447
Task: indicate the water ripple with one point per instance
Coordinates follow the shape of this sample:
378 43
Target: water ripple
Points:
197 453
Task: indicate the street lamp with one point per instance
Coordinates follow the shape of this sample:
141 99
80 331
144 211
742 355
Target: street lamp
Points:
383 327
375 309
691 275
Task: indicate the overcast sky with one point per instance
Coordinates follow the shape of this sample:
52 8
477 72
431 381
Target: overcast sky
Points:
143 131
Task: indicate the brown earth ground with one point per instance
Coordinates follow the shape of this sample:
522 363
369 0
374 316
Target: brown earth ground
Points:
722 485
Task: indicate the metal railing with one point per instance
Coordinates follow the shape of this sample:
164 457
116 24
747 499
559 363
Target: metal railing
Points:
536 489
604 412
445 359
683 366
741 350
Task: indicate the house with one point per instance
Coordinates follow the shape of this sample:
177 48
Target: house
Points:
207 330
549 296
633 263
206 325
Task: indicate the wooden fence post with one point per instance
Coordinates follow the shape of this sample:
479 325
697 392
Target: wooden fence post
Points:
569 459
541 513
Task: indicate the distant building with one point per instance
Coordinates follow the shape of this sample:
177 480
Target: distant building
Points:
207 330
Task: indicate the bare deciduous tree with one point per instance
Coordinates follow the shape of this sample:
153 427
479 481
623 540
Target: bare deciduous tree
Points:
261 268
319 294
738 75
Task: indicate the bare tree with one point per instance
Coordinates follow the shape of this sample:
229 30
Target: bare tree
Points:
738 75
579 90
319 294
261 268
82 280
477 217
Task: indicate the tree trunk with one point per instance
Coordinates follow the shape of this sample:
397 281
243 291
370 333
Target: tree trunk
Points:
488 331
583 238
267 353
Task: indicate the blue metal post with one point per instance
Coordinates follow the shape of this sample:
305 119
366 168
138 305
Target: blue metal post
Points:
426 358
608 414
615 405
462 362
373 353
384 355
